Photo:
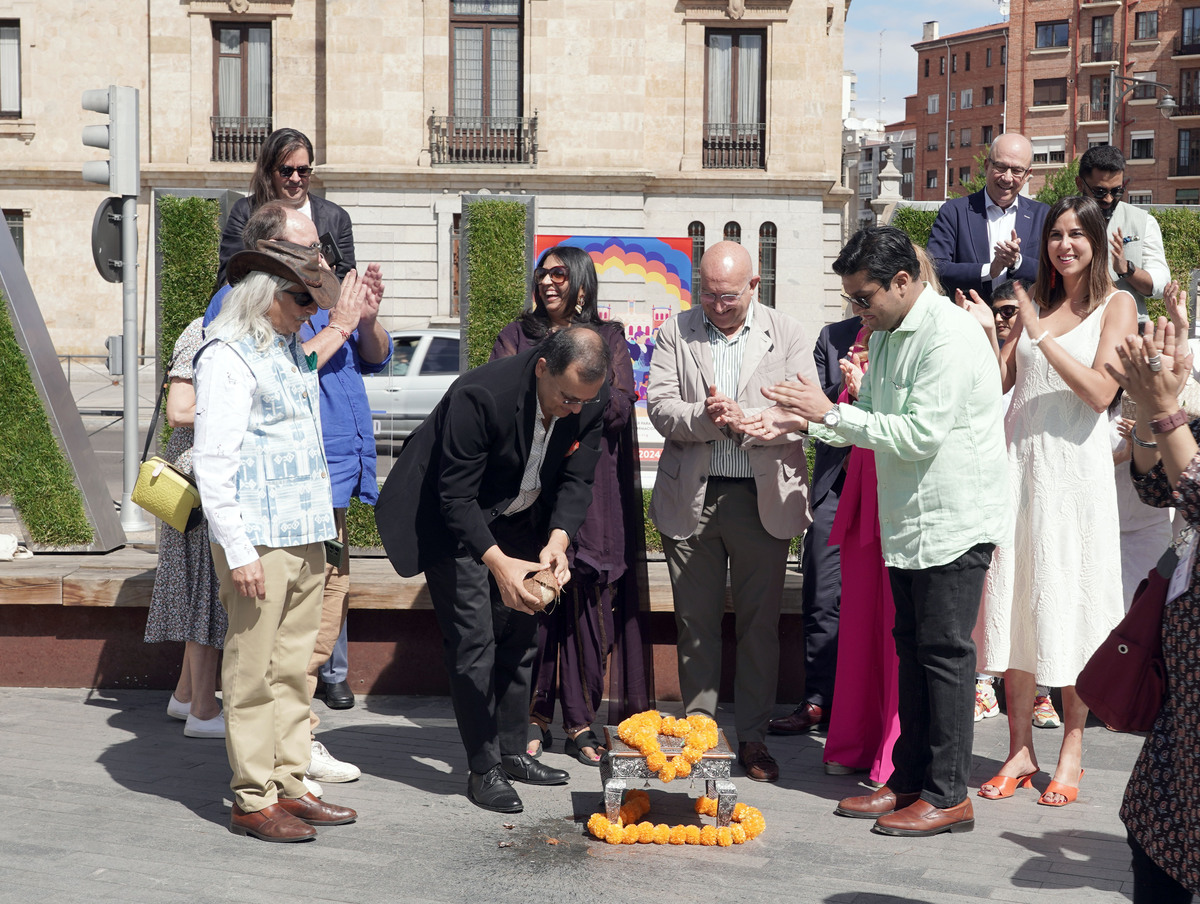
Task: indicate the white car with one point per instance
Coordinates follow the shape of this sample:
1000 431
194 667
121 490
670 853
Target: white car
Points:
424 364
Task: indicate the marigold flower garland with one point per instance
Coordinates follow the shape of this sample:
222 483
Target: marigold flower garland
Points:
642 731
748 823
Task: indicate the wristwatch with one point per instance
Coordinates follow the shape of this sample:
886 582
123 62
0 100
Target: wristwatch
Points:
1162 425
1129 268
832 417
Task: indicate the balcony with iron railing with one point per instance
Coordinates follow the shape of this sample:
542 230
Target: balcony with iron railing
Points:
1187 44
734 145
1093 111
236 139
1186 166
1189 106
1100 52
483 140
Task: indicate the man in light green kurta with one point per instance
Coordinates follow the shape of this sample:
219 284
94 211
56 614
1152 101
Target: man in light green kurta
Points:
930 408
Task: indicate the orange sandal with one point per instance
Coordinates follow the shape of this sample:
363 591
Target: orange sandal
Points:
1005 785
1070 792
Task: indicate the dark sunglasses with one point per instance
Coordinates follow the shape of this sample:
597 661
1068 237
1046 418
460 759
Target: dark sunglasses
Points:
302 171
558 275
1006 312
302 299
1101 193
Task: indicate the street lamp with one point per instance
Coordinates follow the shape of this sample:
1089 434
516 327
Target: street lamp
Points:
1166 105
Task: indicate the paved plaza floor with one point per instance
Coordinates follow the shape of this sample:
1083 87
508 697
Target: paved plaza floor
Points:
105 800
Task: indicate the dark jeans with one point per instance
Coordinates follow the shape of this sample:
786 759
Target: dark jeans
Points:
821 565
1150 884
936 610
488 647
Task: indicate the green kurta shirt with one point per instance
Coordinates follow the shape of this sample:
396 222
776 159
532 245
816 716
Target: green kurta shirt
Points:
930 409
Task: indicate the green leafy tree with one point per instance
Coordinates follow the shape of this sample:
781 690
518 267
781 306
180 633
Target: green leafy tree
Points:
979 178
1059 184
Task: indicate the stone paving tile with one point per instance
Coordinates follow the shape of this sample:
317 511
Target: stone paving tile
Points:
105 800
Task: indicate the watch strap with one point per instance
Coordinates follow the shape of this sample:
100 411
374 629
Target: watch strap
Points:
1162 425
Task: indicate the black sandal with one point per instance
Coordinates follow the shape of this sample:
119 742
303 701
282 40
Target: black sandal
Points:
537 733
574 747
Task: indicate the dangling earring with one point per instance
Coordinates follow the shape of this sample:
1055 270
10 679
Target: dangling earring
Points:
578 308
1053 278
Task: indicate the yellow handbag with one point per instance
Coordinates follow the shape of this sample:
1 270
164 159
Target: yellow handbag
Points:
161 488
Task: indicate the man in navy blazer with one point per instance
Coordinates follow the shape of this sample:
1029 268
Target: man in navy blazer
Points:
490 488
991 236
821 563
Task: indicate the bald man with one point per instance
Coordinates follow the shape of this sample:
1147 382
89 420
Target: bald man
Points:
992 236
726 503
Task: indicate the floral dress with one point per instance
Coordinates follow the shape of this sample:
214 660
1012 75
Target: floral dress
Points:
184 605
1160 808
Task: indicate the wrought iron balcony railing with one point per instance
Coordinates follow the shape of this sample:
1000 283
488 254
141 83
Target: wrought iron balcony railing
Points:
1100 53
1093 112
735 145
483 140
236 139
1186 166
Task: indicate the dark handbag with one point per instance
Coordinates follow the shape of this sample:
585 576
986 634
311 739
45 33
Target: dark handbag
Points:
161 488
1125 681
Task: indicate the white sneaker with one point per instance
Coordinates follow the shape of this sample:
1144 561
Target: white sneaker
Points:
986 705
205 728
177 710
313 788
324 768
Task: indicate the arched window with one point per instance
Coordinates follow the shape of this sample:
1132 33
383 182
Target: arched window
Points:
766 264
733 232
696 234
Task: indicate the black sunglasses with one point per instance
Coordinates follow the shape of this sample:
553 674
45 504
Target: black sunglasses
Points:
303 299
1101 193
558 275
302 171
1007 311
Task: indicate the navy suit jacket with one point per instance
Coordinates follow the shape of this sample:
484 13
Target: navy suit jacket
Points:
833 343
327 217
959 246
463 466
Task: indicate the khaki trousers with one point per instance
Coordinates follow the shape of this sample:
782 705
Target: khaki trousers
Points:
267 646
335 603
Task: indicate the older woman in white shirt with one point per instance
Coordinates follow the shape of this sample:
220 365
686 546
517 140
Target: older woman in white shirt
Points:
260 466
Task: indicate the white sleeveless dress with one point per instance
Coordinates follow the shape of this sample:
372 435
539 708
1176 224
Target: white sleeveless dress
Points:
1052 598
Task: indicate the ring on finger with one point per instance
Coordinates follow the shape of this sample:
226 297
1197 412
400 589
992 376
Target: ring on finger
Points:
1154 362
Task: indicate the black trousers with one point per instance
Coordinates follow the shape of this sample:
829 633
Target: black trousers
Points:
1151 885
488 648
821 598
935 613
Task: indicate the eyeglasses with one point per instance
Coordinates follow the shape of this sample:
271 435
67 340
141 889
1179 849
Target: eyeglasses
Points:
1018 172
863 303
302 171
567 400
1006 312
1100 193
558 275
303 299
709 298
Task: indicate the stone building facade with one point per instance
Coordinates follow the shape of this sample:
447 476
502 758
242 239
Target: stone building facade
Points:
696 118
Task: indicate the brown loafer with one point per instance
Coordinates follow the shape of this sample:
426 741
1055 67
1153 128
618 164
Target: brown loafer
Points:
760 766
272 823
879 803
316 812
923 818
805 718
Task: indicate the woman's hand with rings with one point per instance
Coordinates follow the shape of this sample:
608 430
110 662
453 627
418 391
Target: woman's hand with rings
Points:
1151 379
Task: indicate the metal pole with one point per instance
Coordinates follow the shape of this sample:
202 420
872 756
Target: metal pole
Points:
1112 101
131 515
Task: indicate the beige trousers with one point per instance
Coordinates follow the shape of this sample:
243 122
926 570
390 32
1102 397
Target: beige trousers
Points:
267 646
334 606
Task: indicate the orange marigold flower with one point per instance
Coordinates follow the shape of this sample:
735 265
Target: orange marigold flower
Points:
691 834
682 766
724 836
645 832
656 761
708 836
699 721
615 834
662 833
706 806
678 835
667 773
637 794
692 755
739 811
598 825
738 833
630 835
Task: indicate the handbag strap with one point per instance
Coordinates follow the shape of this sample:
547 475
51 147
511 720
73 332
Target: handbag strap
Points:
162 390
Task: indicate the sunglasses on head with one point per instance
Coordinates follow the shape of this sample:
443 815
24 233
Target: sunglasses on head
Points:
1006 311
302 171
558 275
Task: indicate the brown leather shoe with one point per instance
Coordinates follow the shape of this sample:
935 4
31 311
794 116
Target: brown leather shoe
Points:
272 823
316 812
805 718
923 818
758 762
872 806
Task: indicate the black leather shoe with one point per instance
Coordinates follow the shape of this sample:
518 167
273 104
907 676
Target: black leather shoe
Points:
492 791
522 767
339 696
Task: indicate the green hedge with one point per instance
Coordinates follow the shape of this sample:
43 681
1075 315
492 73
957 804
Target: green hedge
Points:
496 273
33 469
915 223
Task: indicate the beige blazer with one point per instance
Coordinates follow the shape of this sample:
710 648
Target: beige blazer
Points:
681 370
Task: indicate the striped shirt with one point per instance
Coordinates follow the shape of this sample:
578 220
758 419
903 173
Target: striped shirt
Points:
728 459
531 480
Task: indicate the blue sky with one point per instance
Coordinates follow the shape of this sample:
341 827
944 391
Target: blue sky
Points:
901 23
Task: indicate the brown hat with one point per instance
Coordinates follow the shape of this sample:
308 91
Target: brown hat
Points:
297 263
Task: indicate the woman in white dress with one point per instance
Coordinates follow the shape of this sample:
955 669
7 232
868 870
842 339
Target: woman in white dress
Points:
1054 595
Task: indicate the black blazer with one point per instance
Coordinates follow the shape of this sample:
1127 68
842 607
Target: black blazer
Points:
463 466
833 343
327 217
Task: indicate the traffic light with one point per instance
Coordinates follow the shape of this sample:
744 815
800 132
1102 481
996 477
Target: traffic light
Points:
120 172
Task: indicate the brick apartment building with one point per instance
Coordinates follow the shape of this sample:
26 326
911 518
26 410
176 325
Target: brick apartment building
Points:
959 105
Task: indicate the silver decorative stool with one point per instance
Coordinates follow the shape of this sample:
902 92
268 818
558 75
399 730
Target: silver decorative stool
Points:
624 767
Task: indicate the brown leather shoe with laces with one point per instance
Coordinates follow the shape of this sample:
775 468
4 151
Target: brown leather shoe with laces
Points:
758 762
879 803
272 823
804 718
316 812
